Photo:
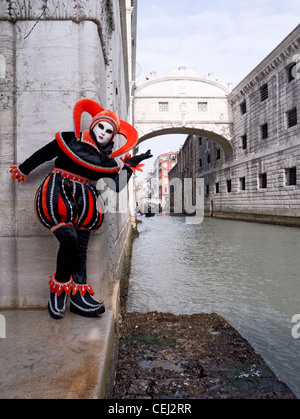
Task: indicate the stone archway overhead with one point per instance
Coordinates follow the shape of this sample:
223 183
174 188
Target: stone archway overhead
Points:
183 102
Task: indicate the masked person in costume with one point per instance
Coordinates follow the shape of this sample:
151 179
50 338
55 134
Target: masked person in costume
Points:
68 204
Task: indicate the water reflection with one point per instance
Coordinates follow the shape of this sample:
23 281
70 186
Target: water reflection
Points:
248 273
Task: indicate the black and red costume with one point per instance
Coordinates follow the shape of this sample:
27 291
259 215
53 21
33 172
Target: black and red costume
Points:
69 205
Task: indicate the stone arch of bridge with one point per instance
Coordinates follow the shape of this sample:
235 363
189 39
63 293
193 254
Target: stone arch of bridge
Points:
199 132
183 102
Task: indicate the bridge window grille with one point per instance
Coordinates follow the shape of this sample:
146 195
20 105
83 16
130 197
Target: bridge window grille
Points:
291 176
244 142
229 189
202 106
292 117
264 92
263 184
243 107
242 183
163 106
264 131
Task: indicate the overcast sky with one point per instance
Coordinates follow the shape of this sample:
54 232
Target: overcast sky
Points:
226 37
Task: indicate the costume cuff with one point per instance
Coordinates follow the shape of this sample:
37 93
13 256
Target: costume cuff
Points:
17 174
59 287
138 167
82 289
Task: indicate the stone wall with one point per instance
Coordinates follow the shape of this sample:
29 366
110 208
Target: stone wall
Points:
75 50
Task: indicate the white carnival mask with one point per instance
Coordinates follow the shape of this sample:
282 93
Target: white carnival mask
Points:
103 132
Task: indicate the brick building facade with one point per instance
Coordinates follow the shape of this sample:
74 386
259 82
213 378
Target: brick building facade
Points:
162 166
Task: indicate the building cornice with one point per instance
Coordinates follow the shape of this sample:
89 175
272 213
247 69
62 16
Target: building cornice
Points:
289 47
225 88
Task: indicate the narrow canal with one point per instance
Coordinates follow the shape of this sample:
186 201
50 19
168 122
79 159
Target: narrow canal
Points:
248 273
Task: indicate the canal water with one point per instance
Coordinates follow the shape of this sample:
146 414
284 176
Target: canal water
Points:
246 272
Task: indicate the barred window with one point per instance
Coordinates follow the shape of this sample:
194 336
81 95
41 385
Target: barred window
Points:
242 183
244 142
264 92
263 184
202 106
292 117
229 185
163 106
291 176
243 107
264 131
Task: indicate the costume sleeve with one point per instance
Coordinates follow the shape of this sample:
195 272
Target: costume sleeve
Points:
46 153
120 180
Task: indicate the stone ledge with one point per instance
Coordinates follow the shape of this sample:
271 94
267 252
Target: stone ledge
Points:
258 218
70 358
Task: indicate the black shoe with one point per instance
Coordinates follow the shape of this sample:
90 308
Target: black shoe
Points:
57 305
82 302
58 298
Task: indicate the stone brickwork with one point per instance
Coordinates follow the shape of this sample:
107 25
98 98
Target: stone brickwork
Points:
52 54
261 177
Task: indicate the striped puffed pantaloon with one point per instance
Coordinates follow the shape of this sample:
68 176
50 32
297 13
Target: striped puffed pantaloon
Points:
71 210
61 201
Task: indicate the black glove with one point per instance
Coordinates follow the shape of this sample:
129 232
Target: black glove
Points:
135 160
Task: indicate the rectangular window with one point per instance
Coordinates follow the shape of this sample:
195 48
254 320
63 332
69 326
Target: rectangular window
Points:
163 106
264 131
202 106
292 117
207 189
218 157
217 187
243 107
242 183
200 162
208 158
264 92
229 186
263 181
244 142
291 176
